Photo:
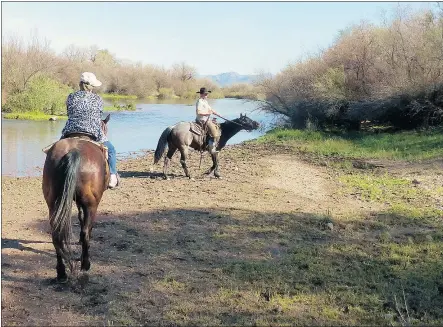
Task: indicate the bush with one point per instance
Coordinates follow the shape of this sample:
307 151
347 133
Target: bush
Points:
165 93
41 94
366 76
242 91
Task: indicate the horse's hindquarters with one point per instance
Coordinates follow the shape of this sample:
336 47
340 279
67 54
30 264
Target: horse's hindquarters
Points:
93 170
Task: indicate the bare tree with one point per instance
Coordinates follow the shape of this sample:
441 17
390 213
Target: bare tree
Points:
21 62
183 72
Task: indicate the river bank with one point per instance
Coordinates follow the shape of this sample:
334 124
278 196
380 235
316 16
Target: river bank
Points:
286 234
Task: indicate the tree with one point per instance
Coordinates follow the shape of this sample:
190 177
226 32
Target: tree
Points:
183 72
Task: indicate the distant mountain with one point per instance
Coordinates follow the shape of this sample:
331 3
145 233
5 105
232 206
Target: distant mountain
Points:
227 79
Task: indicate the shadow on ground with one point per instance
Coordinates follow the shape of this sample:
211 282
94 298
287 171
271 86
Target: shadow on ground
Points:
231 267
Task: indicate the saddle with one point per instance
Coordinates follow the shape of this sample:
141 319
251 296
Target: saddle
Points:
83 136
200 128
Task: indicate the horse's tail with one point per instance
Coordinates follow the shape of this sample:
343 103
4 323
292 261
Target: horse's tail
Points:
162 144
66 172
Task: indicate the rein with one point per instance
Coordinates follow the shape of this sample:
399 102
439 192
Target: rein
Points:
231 121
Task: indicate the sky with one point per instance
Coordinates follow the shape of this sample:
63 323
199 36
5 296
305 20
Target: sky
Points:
214 37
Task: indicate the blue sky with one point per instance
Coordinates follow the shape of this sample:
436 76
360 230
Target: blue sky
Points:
215 37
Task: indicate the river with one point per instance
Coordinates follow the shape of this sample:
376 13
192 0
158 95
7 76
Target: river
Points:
129 131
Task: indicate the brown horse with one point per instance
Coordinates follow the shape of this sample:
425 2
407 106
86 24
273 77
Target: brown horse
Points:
75 170
181 137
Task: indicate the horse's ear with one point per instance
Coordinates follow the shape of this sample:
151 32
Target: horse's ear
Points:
107 118
241 115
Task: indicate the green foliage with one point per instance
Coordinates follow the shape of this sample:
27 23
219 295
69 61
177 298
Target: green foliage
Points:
41 94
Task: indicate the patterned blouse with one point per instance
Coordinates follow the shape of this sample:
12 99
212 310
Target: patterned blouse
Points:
84 114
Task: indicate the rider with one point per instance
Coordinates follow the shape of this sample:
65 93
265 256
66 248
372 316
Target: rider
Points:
203 111
85 109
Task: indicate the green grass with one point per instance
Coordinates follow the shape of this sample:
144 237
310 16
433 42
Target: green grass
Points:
37 116
114 96
411 145
401 196
342 279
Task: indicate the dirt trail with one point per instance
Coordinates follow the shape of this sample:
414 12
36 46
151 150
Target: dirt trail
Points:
156 243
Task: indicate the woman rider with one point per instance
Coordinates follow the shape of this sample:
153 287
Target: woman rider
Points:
85 109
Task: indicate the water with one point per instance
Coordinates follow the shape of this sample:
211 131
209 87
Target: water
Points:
22 141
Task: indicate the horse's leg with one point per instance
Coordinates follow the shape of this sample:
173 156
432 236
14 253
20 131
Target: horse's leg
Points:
85 234
168 158
80 219
215 164
62 277
184 154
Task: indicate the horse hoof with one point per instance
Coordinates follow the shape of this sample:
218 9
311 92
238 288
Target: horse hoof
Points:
86 266
62 279
217 175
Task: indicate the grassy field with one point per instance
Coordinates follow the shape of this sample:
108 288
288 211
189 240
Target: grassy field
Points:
405 145
37 116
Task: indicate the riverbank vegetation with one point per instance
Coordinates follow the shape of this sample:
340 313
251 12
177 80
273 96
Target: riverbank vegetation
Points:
405 145
33 115
389 74
35 79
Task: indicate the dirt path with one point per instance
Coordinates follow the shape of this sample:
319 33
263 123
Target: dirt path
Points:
159 248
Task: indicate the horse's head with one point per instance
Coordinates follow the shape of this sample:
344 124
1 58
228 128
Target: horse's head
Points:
105 124
247 123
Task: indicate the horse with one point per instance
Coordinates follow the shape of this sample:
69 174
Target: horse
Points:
181 136
77 170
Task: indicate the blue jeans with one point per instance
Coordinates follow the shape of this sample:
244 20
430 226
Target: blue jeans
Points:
112 157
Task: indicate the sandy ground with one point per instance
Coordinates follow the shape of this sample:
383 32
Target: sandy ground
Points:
155 242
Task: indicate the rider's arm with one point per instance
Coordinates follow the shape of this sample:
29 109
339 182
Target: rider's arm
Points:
212 111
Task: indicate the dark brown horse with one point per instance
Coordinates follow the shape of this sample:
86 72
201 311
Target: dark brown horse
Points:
75 170
181 137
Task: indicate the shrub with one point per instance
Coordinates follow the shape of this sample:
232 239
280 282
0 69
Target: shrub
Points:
165 93
41 94
390 74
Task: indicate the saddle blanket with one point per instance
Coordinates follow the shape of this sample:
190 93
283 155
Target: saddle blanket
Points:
100 145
